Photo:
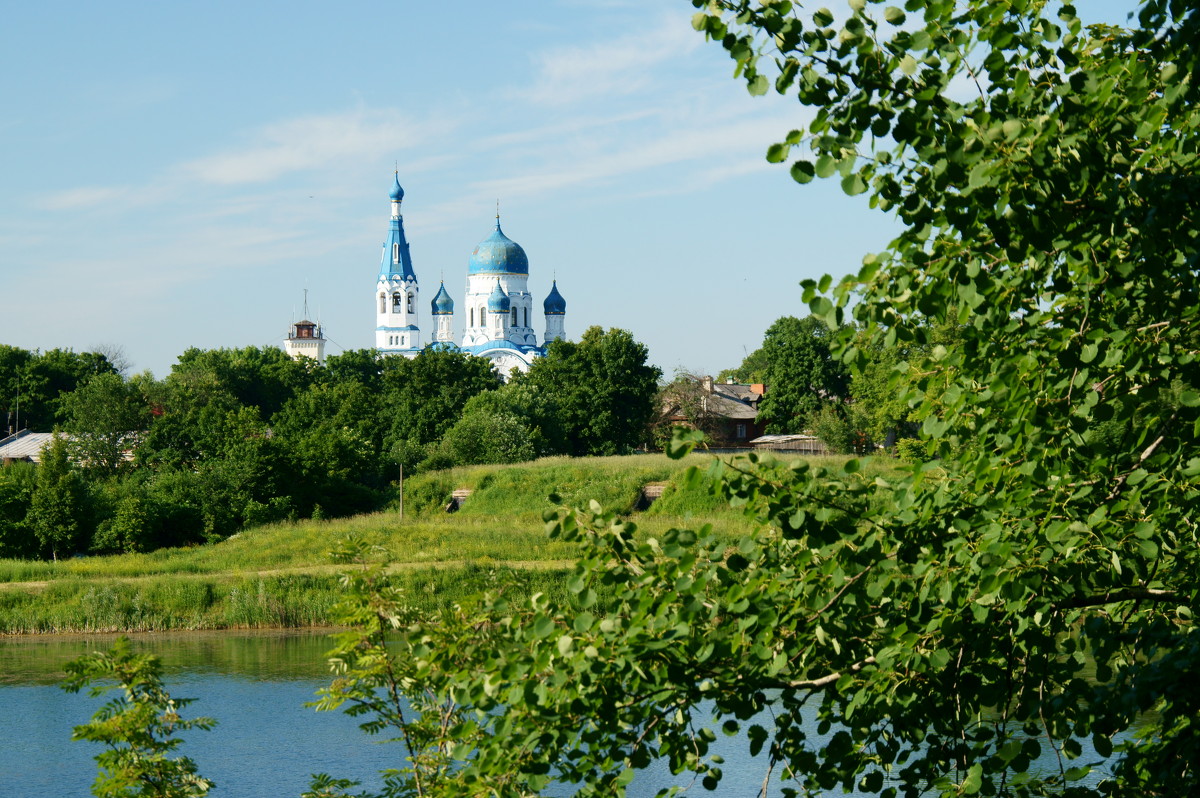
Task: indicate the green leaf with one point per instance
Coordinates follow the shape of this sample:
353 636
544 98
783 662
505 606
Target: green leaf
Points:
853 184
778 153
894 15
802 172
974 780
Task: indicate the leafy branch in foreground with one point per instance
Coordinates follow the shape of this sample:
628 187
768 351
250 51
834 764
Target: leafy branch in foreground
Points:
999 621
379 675
138 726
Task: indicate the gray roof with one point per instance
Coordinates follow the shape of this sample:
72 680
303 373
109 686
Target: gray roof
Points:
25 445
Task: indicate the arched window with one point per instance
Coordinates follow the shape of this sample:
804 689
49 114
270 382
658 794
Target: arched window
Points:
472 324
395 253
514 317
482 317
397 302
382 302
410 298
526 317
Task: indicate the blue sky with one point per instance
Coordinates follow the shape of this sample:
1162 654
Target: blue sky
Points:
177 174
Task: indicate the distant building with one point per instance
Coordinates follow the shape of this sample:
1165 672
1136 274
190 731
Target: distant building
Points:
499 308
726 412
305 339
24 446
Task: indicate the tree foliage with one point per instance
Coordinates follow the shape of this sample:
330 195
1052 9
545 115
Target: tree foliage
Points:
138 727
426 395
32 384
800 373
1032 593
104 418
604 389
58 505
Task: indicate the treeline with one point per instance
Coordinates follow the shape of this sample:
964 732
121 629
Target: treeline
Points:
235 438
811 390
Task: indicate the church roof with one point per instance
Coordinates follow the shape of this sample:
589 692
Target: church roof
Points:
498 254
442 304
554 305
397 262
498 301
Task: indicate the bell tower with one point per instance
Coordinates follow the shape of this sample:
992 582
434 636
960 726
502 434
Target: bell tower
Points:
397 330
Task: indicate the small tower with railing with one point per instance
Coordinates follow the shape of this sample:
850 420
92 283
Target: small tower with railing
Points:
305 338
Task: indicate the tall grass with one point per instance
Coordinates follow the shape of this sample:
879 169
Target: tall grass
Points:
280 575
293 600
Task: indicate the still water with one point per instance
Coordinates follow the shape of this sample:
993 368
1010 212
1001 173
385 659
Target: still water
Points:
266 743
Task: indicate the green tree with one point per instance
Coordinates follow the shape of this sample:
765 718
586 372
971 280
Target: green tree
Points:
753 369
800 373
17 483
33 384
138 727
58 508
1034 593
104 418
604 389
331 442
264 378
424 396
487 435
363 366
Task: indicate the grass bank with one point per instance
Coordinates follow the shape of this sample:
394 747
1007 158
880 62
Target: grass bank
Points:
280 576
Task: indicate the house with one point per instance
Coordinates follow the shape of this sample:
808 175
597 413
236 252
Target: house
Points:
726 412
24 446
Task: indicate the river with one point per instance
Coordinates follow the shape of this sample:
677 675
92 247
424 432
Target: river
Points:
266 743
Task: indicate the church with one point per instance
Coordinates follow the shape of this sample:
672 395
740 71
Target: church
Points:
499 310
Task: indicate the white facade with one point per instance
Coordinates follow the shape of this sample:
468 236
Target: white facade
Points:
397 295
497 311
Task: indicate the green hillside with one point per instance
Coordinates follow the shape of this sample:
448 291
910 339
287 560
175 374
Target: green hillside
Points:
280 575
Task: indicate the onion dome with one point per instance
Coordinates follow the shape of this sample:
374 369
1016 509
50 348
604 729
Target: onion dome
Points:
498 254
397 192
442 304
499 302
555 305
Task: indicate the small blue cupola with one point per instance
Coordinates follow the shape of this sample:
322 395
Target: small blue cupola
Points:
442 304
555 305
397 192
498 301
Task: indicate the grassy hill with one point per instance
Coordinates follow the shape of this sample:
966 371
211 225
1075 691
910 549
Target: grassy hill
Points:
280 575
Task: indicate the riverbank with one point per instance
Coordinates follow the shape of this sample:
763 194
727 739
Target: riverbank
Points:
281 576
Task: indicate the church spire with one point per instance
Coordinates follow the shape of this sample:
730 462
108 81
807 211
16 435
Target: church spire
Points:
397 325
397 262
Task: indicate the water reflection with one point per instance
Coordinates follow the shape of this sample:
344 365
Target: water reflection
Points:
267 742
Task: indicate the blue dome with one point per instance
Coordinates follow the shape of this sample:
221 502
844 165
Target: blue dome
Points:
397 192
498 254
555 305
442 304
499 302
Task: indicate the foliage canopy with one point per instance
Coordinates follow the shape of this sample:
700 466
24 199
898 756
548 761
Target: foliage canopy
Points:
1039 581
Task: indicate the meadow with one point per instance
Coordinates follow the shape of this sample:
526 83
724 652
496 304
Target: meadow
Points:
280 575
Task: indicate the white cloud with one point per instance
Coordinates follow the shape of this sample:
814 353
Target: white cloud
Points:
83 197
310 142
618 67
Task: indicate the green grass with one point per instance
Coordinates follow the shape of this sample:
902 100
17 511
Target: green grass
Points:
280 575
